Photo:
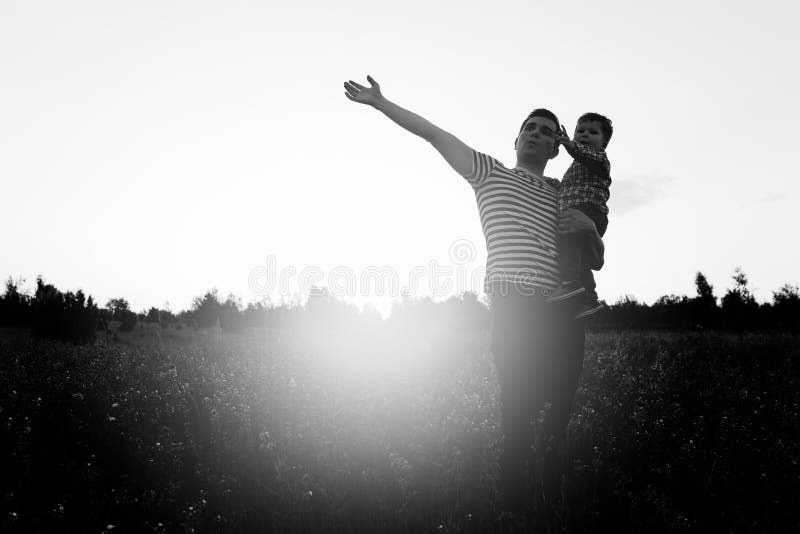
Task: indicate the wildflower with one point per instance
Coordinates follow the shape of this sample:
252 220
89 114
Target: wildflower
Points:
115 405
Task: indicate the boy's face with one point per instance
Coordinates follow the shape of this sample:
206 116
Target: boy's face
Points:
537 138
590 133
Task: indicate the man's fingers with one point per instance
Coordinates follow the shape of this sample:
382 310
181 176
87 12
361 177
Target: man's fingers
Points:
371 80
352 89
358 86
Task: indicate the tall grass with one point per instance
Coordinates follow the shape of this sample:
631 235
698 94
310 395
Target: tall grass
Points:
281 431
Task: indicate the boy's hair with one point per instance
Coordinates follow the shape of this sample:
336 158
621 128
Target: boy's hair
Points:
542 112
605 125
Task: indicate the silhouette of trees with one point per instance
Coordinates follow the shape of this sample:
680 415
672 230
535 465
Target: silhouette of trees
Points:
704 309
14 305
739 307
121 311
206 309
230 315
65 316
737 311
786 308
71 316
153 316
118 307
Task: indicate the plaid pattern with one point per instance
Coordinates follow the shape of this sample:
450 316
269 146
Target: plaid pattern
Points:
587 181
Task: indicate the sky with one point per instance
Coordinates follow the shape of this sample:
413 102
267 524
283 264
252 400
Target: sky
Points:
155 150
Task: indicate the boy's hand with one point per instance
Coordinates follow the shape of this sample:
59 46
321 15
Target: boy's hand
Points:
562 138
364 95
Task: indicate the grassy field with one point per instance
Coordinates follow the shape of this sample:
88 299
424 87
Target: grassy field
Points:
290 431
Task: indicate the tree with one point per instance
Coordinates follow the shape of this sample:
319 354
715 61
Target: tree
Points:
704 310
705 291
66 316
739 307
786 308
230 315
118 307
153 315
206 309
14 305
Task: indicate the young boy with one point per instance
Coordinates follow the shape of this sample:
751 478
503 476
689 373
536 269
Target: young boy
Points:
585 187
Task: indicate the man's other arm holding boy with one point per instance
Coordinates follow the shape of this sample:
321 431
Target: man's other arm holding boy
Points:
455 152
593 158
573 221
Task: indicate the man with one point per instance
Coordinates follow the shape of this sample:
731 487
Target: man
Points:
538 348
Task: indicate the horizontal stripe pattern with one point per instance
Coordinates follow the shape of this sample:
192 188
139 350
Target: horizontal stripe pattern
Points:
519 215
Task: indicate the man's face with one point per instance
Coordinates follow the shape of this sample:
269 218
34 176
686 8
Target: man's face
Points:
589 133
537 139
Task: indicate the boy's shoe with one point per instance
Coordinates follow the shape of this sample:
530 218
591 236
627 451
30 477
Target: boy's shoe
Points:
589 308
565 291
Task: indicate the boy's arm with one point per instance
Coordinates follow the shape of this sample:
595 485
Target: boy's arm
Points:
456 153
593 158
574 221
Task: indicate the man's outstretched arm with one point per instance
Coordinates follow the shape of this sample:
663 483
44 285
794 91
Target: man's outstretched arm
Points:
574 221
456 153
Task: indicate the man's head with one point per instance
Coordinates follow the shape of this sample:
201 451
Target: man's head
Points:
536 137
594 130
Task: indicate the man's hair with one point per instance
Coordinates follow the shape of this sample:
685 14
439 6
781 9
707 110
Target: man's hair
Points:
542 112
605 125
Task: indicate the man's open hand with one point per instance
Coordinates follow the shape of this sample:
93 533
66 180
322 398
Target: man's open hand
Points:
363 95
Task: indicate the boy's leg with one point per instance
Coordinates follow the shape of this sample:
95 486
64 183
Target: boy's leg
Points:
600 221
590 299
569 263
570 247
569 258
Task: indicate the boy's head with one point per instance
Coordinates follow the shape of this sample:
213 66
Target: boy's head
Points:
594 130
537 133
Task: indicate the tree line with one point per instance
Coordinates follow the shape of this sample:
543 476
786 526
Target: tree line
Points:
74 317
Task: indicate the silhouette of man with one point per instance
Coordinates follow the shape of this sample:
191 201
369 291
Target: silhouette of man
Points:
538 348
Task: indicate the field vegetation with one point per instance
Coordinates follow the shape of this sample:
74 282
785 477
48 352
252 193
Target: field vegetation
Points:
388 427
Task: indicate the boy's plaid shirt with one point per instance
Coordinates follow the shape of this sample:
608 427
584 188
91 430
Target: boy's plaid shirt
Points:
587 181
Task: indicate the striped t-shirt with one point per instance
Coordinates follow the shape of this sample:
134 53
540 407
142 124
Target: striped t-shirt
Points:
519 216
